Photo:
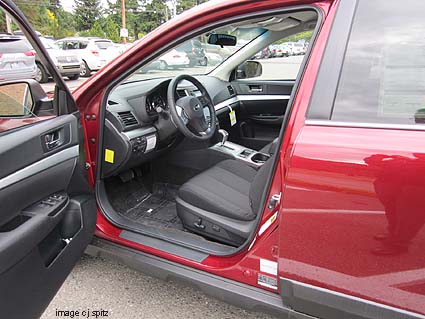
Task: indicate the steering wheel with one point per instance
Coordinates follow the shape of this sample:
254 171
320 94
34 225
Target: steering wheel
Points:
187 113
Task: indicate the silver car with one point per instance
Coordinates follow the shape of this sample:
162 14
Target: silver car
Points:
67 63
17 59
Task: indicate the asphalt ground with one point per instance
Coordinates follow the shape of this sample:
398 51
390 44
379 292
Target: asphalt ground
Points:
97 285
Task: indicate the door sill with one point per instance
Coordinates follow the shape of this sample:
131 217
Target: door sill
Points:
164 239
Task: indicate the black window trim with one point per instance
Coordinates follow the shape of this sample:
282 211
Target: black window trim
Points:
327 80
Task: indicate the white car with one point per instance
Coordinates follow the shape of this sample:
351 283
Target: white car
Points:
67 62
213 58
296 48
174 59
94 52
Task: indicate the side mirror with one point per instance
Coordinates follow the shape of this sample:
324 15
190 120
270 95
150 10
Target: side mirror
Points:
23 98
15 99
249 69
222 39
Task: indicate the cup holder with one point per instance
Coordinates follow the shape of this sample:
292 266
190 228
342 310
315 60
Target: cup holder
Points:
260 158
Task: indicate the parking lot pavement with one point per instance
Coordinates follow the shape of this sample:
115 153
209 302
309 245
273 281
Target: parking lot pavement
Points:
99 284
72 84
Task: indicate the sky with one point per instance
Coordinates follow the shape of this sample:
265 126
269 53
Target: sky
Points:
68 4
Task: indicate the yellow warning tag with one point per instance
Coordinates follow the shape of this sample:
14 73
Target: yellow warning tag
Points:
232 116
109 156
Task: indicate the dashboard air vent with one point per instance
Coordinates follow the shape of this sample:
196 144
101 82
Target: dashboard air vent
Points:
181 93
127 118
231 90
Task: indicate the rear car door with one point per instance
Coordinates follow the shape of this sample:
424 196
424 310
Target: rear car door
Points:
47 212
354 190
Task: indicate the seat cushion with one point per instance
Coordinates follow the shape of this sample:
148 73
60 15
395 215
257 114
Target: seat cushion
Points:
223 189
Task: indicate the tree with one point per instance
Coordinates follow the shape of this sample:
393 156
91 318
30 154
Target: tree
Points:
112 30
104 28
183 5
141 16
155 14
86 13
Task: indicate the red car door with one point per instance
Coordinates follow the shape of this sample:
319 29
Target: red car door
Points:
352 235
47 211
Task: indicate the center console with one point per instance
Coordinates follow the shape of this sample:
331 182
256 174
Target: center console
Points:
241 153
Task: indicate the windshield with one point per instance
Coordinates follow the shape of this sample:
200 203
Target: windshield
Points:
196 56
48 44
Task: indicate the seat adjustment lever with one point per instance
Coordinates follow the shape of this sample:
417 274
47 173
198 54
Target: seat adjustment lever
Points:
198 224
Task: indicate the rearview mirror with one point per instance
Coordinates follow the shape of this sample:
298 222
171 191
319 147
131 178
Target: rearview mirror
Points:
222 39
15 99
249 69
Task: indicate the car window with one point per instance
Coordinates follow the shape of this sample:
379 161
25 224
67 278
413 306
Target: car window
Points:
196 56
280 60
383 75
48 44
103 44
13 45
81 45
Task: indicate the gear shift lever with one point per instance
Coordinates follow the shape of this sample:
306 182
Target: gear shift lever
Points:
224 136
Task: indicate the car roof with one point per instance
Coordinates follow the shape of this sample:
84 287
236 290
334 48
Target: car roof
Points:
83 39
7 36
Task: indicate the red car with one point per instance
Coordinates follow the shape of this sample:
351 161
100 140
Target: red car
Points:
292 186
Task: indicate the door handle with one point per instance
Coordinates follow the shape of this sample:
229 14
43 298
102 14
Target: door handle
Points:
255 88
52 140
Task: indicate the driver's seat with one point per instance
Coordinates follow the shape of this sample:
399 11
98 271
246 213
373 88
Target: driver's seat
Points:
222 202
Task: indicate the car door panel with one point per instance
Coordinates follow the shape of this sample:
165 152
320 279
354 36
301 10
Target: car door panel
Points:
45 224
262 109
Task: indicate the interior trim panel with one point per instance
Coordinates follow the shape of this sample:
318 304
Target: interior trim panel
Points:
40 166
259 97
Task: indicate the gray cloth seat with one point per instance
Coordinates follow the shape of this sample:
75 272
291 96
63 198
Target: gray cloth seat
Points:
271 147
223 202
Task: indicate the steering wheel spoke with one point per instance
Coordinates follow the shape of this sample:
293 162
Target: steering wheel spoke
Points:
182 114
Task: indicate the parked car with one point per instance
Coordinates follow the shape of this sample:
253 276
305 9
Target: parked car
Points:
68 63
299 196
94 52
295 48
17 61
195 52
281 50
173 59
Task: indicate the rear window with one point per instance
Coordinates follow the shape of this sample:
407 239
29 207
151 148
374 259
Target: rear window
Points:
383 76
13 46
103 44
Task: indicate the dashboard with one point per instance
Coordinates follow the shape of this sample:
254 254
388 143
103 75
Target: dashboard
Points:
138 127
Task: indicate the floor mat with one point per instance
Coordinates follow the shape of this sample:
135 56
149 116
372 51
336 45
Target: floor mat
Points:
157 209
